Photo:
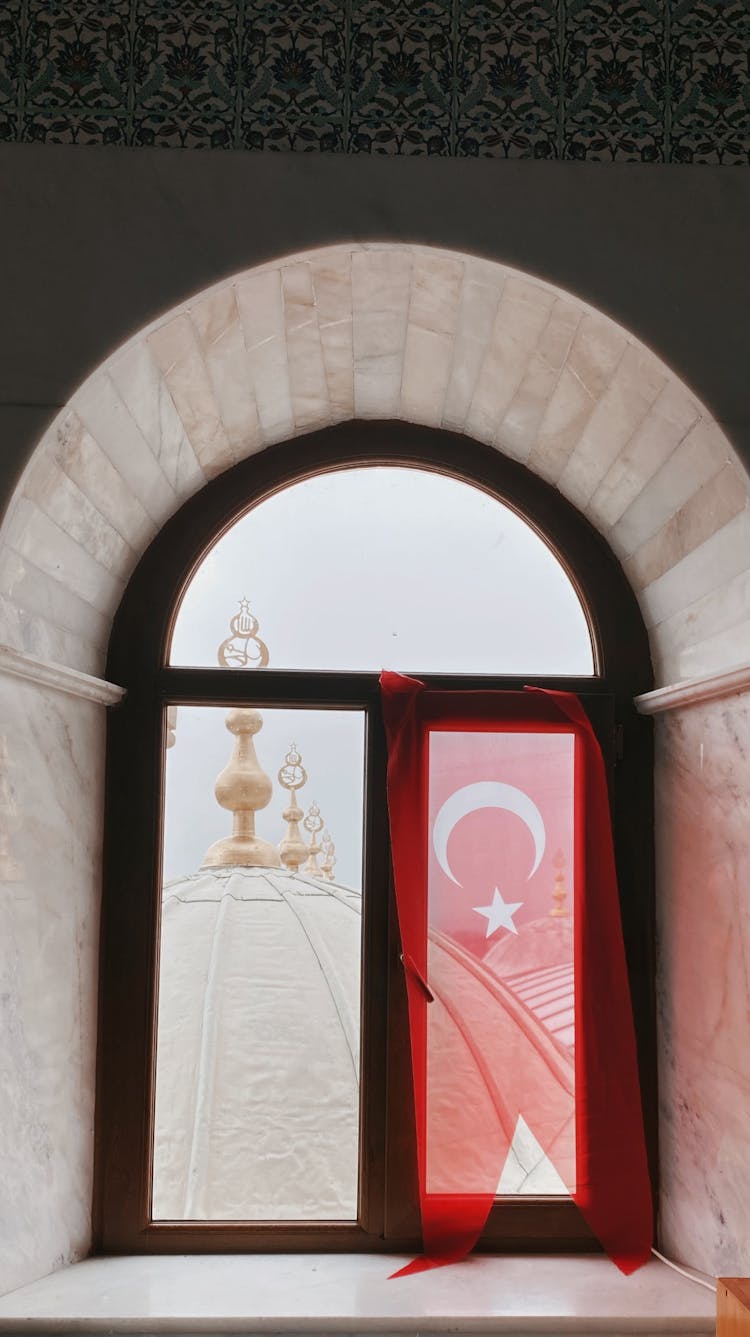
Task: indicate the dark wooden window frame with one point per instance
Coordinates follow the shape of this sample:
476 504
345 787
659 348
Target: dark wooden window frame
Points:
132 853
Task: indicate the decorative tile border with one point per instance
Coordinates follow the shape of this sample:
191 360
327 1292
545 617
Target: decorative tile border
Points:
625 80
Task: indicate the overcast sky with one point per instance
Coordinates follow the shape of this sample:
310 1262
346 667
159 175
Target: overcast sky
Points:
365 568
388 568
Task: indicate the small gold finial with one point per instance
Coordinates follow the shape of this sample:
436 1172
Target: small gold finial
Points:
559 893
243 788
293 776
329 856
235 651
313 823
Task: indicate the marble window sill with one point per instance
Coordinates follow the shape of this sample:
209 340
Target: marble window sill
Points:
351 1294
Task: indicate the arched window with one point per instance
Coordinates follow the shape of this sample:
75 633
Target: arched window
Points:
254 1089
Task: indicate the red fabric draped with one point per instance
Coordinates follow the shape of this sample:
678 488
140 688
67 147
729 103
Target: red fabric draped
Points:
493 1048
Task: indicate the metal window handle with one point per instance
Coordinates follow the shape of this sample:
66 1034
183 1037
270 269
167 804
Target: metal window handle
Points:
417 975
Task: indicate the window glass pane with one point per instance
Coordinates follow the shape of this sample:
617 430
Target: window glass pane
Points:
500 1038
386 567
257 1069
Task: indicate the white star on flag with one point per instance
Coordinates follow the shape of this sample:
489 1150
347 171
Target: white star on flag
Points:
498 915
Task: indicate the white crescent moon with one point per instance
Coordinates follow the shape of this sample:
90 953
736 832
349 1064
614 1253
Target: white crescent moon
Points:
486 794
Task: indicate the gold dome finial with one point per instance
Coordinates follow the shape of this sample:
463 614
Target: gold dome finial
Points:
293 776
235 651
559 892
313 824
329 856
243 788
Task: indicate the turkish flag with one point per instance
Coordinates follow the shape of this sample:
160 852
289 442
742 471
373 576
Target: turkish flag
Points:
523 1052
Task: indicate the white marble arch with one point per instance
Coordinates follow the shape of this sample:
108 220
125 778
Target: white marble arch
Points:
384 331
355 331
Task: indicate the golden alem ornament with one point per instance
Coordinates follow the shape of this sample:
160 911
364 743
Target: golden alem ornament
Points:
328 862
293 776
313 824
244 648
243 788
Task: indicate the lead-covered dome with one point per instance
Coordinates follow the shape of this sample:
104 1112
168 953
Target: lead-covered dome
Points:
257 1098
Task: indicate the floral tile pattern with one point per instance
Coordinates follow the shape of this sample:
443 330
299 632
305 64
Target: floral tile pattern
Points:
401 76
615 59
710 88
293 72
623 80
508 77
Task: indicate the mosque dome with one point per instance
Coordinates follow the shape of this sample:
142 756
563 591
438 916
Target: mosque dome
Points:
257 1098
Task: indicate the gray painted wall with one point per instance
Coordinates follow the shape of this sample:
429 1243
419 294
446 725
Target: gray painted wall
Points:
95 242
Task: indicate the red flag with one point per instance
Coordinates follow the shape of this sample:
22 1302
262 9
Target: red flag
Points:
523 1052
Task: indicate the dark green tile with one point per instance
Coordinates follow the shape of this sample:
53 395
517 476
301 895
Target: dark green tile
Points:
614 81
508 79
401 89
78 59
293 76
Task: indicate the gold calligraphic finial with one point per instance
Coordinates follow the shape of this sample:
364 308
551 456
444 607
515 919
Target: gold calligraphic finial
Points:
313 824
328 862
243 788
293 776
559 892
244 648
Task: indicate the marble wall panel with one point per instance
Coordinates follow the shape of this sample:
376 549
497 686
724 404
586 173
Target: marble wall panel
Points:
380 306
261 308
427 363
105 416
217 322
480 296
178 354
46 484
28 631
698 457
35 594
707 511
307 374
620 411
51 795
140 383
435 295
518 429
672 415
332 284
707 568
595 352
703 871
32 534
428 353
84 461
522 316
708 635
725 649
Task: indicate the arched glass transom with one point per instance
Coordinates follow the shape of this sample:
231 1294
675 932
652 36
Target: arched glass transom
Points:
389 567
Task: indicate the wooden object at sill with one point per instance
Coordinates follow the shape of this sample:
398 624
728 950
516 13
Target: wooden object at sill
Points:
733 1307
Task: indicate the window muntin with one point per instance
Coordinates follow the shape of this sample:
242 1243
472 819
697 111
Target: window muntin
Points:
379 567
